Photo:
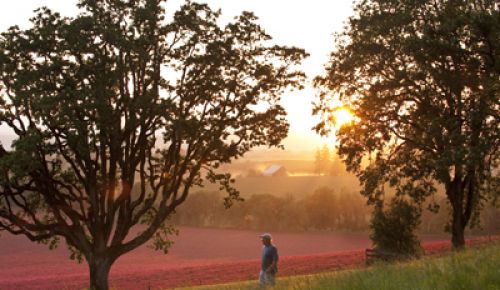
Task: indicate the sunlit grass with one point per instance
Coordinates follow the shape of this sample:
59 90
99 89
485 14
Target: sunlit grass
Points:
473 269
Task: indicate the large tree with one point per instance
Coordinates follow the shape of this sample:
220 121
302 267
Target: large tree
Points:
119 113
423 79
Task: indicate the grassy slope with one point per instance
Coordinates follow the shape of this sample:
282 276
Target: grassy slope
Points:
477 268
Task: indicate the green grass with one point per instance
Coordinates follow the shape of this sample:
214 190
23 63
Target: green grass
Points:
472 269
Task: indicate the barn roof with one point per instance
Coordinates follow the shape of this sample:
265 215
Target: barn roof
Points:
271 170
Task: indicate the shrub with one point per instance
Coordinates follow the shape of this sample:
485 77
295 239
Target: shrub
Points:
393 230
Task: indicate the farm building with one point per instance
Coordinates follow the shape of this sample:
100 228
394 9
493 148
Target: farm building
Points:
274 171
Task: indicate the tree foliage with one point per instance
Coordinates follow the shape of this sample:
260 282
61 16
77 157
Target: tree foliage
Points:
423 79
119 96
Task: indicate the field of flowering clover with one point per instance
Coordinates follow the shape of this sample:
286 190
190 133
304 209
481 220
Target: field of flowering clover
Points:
30 266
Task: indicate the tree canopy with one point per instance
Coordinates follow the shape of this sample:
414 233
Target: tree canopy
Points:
119 112
422 77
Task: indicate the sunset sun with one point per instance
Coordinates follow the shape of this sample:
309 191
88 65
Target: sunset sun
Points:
342 116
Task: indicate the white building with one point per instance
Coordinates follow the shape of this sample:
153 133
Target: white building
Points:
275 170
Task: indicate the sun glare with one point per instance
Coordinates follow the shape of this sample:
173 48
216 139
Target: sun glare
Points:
342 116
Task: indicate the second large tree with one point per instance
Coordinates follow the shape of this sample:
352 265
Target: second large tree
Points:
423 79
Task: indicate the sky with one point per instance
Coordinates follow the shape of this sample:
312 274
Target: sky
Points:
306 24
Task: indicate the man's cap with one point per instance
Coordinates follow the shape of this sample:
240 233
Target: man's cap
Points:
266 236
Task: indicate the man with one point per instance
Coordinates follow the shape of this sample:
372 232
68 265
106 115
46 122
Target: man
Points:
269 265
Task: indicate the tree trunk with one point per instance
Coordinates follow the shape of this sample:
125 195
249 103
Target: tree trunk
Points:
457 230
99 272
455 195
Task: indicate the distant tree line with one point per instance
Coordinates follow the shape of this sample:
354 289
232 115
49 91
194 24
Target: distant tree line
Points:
325 209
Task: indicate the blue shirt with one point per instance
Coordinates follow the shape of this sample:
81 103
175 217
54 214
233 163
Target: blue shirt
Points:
269 255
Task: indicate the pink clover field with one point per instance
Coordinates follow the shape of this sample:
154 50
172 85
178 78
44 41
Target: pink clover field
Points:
198 257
